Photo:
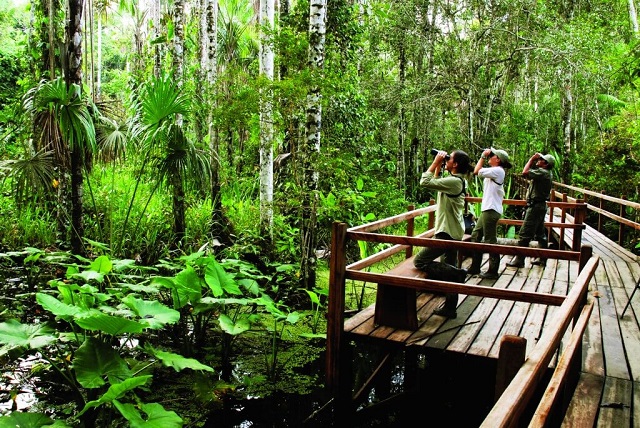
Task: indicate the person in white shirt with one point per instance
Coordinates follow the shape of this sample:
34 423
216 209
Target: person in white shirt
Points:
493 193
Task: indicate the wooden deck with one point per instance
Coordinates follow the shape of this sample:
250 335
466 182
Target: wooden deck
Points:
607 393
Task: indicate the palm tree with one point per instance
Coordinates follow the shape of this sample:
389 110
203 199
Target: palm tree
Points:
65 128
165 148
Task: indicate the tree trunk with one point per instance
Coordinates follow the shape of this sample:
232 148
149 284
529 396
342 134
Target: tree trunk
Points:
266 121
311 146
73 75
567 113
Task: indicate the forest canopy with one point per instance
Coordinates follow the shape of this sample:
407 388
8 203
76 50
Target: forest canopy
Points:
258 124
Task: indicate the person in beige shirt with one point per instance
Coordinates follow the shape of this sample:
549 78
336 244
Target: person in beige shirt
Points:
449 222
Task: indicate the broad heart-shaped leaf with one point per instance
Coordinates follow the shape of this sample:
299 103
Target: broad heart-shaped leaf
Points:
177 361
116 391
157 416
56 307
228 326
29 420
90 275
101 264
219 281
108 324
94 360
187 288
154 314
15 335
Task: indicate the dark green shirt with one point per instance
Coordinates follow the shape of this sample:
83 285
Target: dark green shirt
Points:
540 184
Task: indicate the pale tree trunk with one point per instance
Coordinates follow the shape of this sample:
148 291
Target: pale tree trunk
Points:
73 75
266 120
401 175
99 61
201 75
157 51
220 227
567 113
178 42
311 145
52 56
633 17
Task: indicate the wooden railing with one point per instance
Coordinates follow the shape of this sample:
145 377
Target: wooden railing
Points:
604 210
516 398
529 377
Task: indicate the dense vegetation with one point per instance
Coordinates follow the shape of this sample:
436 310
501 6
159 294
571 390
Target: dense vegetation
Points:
163 147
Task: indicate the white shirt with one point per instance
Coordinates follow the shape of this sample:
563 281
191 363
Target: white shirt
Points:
493 189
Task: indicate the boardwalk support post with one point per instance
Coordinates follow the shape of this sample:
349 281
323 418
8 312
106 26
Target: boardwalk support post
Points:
513 350
338 379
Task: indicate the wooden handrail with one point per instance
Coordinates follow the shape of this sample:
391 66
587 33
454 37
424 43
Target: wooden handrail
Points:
513 402
625 202
566 364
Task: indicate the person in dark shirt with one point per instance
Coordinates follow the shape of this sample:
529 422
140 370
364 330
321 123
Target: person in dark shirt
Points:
538 172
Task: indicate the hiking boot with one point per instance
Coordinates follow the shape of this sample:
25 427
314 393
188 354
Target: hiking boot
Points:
489 275
448 308
474 269
516 262
447 313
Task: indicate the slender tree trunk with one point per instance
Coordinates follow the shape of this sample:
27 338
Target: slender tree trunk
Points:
99 61
178 42
311 146
633 17
179 216
567 114
266 120
74 76
157 51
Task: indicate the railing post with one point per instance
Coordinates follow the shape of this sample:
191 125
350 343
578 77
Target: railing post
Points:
620 224
432 215
410 230
578 219
601 206
336 367
586 252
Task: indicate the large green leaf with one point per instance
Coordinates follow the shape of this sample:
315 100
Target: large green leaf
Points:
56 307
116 391
14 335
177 361
94 360
157 416
187 288
29 420
231 327
153 314
219 281
109 324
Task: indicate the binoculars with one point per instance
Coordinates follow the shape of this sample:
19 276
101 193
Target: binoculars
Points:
436 151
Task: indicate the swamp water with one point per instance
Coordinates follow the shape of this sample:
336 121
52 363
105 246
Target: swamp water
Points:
457 392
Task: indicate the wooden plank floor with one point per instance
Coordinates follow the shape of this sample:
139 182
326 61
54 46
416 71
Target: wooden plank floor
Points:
608 392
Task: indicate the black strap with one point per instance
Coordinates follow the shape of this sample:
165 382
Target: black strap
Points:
461 192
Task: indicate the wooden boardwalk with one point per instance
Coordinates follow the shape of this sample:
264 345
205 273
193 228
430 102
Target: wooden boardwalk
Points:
607 393
610 377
